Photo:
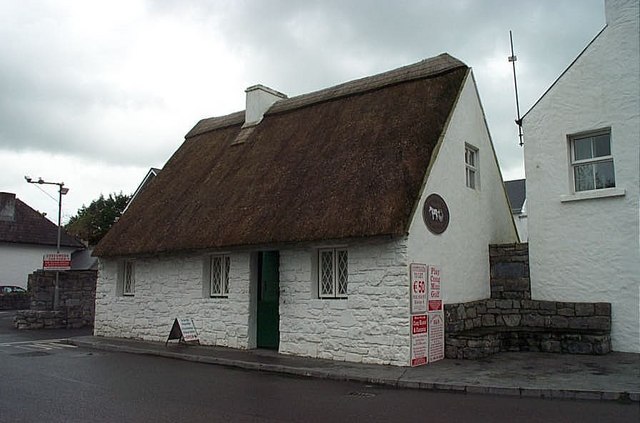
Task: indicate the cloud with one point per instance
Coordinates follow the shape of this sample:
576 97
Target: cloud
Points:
116 85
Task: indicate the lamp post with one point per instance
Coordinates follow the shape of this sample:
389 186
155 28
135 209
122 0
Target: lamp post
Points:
61 191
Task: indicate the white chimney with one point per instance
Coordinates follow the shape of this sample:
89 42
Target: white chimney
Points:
259 99
7 206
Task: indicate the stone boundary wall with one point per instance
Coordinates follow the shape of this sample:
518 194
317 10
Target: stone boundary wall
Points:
481 328
511 321
15 301
76 307
509 265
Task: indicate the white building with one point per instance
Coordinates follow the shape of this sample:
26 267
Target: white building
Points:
25 237
582 161
293 227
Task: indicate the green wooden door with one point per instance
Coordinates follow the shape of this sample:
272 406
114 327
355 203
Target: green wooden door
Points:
268 297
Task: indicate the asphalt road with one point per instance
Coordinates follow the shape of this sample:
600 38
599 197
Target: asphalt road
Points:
43 380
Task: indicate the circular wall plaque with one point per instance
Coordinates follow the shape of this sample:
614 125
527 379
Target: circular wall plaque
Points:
435 214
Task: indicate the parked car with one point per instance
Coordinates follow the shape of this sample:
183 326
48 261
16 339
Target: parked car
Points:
11 289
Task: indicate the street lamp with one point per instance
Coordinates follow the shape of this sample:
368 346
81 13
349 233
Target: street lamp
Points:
61 191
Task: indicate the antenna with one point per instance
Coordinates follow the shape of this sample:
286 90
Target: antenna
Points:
513 60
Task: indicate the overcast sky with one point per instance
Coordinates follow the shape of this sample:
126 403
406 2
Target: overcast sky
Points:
94 93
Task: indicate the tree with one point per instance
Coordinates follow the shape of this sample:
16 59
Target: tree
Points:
92 223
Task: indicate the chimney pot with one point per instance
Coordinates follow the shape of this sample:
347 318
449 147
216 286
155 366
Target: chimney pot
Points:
7 207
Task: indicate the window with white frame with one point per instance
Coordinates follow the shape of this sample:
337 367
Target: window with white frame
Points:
128 277
471 166
333 273
591 161
219 275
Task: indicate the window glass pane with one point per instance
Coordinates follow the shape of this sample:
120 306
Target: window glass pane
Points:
326 273
343 272
582 149
602 145
471 179
583 177
605 177
227 265
470 157
216 275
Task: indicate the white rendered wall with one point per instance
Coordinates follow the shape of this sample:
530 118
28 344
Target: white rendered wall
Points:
588 250
370 326
17 261
477 217
171 287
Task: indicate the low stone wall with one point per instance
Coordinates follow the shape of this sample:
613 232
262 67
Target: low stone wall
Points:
481 328
511 321
76 306
15 301
38 319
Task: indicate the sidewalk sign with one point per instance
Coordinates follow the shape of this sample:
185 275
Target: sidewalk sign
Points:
419 340
436 315
436 336
184 330
418 279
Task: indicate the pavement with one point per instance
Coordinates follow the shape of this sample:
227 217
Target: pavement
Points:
615 376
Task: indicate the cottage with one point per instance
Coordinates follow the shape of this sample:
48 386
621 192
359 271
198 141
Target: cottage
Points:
25 237
292 225
582 161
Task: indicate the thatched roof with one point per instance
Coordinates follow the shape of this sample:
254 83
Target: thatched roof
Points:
344 162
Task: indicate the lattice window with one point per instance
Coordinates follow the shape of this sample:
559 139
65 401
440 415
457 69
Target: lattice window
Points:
219 275
333 273
129 278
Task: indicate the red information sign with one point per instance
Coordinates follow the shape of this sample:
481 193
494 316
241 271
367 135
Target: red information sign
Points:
434 283
418 274
56 261
435 305
419 339
436 336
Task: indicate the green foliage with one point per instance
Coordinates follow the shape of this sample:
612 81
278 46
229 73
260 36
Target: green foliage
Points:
93 222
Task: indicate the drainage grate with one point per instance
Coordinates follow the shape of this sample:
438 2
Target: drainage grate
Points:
361 394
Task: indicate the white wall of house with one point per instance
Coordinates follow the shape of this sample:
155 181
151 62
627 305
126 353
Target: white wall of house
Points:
584 246
171 287
522 224
370 326
478 217
17 261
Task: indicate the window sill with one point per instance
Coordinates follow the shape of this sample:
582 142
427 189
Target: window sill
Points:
590 195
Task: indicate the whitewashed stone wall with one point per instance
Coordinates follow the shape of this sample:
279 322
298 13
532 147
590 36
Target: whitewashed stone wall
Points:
478 217
170 287
371 326
584 246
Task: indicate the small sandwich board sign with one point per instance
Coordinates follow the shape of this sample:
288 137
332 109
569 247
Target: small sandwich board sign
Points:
184 330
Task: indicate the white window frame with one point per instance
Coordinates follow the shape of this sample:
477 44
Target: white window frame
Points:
339 283
128 278
471 170
219 267
574 163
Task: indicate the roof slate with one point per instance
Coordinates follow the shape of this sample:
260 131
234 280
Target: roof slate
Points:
517 193
31 227
344 162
